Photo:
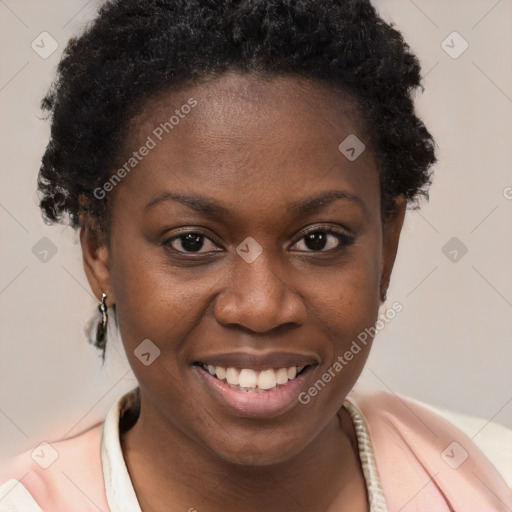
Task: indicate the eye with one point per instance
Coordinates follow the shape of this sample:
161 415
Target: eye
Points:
190 242
318 239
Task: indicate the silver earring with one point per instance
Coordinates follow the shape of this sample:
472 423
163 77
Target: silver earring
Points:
101 329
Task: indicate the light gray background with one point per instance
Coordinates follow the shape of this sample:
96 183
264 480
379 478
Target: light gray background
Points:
451 344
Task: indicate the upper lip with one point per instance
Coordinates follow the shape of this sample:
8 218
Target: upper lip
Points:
259 361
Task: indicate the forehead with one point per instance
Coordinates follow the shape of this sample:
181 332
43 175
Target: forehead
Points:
261 138
235 101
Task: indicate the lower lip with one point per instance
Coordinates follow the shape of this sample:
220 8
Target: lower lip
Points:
253 405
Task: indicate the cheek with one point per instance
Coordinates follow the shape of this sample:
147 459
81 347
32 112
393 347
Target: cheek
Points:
156 300
156 303
348 301
346 309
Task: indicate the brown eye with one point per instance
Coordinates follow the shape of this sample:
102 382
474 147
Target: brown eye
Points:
189 242
324 240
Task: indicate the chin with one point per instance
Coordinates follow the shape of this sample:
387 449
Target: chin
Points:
254 453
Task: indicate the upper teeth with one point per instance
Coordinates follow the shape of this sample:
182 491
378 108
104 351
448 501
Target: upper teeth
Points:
255 379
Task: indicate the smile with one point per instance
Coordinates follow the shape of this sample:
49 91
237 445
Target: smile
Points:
254 393
254 381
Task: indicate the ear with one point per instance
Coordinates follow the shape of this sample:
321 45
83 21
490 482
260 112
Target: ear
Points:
391 229
95 253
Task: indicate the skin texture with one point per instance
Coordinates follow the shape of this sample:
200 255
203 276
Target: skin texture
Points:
256 147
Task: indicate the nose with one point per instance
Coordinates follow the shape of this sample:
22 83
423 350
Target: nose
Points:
257 298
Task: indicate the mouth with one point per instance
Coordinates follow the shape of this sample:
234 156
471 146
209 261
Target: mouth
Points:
249 380
257 392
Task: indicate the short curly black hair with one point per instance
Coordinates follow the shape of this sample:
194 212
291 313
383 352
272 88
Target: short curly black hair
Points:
135 49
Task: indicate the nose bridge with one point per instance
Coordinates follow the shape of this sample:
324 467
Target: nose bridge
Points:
257 296
258 279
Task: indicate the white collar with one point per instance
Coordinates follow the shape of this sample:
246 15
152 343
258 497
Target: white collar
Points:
121 496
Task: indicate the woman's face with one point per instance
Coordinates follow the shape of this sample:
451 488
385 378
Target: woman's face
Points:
259 283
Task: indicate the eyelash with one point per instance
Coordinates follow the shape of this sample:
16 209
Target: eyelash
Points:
343 238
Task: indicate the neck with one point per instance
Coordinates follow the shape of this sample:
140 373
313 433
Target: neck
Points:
170 471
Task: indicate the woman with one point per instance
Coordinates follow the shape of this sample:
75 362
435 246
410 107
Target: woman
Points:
239 173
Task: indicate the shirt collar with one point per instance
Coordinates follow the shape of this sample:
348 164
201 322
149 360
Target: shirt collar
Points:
121 496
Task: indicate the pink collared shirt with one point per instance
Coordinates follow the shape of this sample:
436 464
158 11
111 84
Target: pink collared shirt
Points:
413 461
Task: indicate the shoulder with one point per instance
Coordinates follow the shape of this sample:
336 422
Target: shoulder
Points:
422 448
493 439
56 474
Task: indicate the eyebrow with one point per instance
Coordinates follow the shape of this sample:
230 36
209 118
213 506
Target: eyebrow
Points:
322 199
210 206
